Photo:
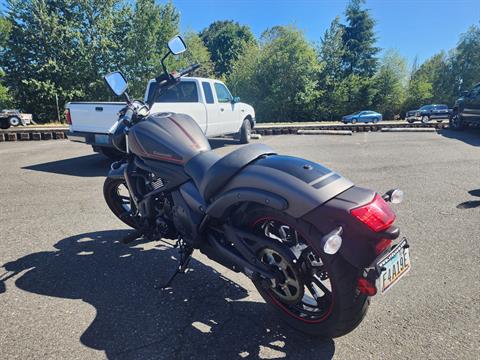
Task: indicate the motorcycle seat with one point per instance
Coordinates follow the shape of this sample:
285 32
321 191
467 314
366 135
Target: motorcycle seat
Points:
210 172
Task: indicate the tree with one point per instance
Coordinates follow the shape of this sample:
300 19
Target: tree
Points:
6 99
197 53
152 26
390 83
226 42
330 55
61 48
359 39
279 77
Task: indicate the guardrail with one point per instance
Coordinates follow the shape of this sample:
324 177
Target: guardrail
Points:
60 132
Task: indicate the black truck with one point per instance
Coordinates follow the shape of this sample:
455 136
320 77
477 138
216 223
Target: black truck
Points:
466 110
426 113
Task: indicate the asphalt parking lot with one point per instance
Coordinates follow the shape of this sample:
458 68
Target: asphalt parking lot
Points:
70 290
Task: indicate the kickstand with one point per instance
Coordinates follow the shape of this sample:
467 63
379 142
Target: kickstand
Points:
184 259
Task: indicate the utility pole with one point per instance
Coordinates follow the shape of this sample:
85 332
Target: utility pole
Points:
58 109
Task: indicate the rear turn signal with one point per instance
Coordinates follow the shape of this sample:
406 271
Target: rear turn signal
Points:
377 215
68 117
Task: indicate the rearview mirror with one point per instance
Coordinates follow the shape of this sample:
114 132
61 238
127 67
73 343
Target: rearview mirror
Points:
116 82
236 99
176 45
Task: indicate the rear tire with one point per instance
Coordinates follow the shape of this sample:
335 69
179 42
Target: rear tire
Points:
116 201
14 121
245 132
347 308
425 119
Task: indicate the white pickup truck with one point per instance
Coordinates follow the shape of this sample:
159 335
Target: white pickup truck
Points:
207 101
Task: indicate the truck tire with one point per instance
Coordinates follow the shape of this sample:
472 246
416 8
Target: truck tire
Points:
14 121
456 122
245 132
425 119
4 124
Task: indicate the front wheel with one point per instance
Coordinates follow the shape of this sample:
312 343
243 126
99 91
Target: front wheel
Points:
425 119
354 121
319 293
117 197
245 132
14 121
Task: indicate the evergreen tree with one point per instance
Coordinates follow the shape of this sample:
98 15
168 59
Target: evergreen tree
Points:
330 55
359 41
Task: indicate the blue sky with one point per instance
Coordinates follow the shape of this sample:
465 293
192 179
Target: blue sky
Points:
413 27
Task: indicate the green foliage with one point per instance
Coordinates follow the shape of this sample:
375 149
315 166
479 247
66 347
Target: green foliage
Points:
51 48
359 41
226 41
390 82
279 77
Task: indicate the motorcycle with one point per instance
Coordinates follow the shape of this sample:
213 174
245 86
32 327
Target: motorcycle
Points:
315 246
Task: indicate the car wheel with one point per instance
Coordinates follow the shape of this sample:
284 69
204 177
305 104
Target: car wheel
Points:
410 121
425 119
456 122
14 121
245 132
376 120
354 121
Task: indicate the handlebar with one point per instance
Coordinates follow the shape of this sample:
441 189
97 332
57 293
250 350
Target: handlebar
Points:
127 117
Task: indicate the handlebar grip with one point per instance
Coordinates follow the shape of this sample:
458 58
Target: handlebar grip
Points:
127 118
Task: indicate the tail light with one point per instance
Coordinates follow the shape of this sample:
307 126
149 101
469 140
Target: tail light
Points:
68 117
377 215
382 245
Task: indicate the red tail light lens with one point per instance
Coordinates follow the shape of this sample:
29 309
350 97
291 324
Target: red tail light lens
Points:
377 215
366 288
68 117
382 245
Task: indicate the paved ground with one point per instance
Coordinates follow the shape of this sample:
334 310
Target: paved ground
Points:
71 291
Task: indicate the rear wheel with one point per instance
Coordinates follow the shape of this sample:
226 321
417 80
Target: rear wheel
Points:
319 293
14 121
118 199
245 132
425 119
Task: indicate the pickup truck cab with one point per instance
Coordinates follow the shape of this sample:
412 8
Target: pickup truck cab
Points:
426 113
207 101
466 110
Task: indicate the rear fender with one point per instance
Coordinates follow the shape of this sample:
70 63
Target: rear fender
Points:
291 184
358 241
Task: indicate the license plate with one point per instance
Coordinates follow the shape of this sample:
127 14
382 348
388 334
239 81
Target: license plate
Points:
101 139
395 264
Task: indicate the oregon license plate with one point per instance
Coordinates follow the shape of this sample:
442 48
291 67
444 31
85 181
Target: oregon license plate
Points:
394 265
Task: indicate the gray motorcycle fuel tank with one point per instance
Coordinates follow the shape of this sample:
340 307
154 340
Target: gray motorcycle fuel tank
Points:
173 138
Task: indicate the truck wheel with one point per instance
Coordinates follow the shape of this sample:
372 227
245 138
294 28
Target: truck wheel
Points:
14 121
245 132
456 122
425 119
4 124
110 153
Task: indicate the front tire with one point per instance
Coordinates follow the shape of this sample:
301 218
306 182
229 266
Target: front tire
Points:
245 132
327 315
425 119
117 197
111 153
4 124
354 121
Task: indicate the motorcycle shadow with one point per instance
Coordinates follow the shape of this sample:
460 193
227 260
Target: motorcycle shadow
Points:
201 316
